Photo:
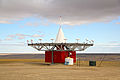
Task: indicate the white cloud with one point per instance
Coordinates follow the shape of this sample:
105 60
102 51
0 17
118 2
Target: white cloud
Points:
8 38
74 12
35 24
22 36
18 36
12 44
5 22
118 23
11 36
109 44
37 35
113 46
39 31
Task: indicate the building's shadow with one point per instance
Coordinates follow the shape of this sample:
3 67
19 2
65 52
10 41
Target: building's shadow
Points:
38 63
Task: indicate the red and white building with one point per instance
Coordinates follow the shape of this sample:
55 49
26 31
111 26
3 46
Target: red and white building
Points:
59 56
57 51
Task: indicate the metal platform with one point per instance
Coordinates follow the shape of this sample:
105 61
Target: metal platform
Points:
60 46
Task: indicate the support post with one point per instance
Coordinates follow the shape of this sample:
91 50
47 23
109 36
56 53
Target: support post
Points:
79 62
52 57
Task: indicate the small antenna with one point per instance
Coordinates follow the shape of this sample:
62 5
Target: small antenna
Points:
27 41
40 40
52 40
77 40
60 21
92 41
86 40
31 41
65 40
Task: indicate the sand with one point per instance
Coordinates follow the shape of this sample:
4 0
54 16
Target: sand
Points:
38 71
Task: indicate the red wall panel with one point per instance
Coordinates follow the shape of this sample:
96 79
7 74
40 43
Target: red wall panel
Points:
59 56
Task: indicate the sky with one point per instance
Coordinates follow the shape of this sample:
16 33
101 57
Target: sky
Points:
22 20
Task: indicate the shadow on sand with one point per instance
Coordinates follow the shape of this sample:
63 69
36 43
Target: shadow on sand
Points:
38 63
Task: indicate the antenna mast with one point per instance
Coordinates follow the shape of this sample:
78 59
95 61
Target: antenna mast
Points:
60 21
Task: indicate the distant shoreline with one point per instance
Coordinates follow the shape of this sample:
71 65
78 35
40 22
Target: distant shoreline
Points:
82 56
77 53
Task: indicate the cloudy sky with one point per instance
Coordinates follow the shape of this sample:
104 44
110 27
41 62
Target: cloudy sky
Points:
22 20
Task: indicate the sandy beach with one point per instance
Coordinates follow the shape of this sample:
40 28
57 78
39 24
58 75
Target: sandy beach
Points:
26 70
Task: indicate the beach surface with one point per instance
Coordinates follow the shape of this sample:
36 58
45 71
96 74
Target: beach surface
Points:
36 70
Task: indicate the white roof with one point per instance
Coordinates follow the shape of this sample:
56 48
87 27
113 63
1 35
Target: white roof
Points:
60 36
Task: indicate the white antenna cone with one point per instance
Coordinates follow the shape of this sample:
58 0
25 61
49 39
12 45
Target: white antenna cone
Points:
60 36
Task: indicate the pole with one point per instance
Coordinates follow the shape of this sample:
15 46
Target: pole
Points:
101 61
52 57
79 62
76 59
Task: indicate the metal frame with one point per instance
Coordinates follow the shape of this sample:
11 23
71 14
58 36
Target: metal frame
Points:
60 46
